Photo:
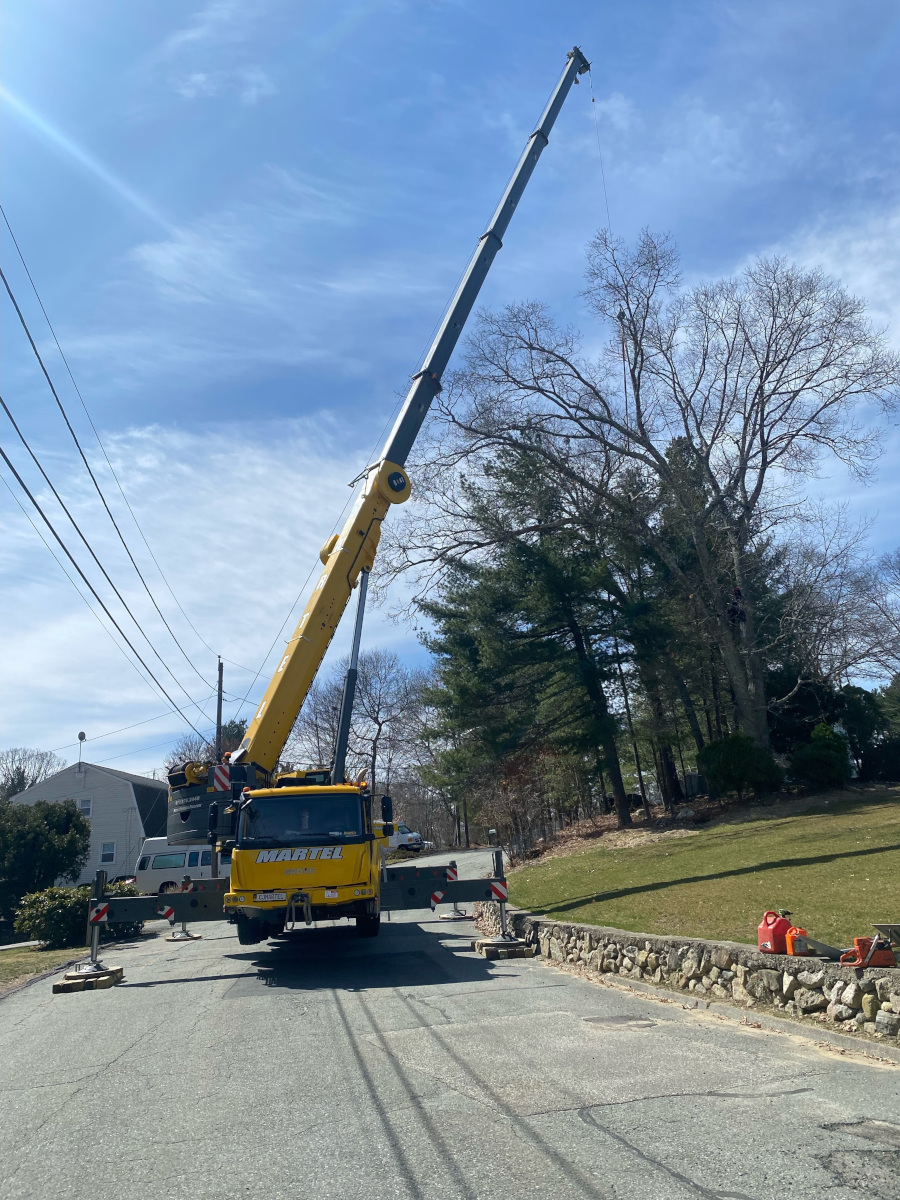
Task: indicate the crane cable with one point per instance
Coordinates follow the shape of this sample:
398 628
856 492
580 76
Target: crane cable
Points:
299 597
91 551
94 478
599 151
24 486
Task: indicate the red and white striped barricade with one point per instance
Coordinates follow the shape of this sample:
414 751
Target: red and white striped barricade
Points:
221 777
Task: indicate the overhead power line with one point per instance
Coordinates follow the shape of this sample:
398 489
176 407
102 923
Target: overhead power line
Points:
90 472
23 485
124 728
91 609
91 551
112 470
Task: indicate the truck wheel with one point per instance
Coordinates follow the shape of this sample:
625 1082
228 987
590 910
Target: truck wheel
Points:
250 932
367 925
168 887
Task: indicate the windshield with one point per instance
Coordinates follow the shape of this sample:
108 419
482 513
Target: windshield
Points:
287 820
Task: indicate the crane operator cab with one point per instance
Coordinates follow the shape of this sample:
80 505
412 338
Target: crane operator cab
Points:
306 854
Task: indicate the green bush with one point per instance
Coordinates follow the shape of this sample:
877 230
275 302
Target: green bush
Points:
738 764
825 762
882 761
58 915
39 843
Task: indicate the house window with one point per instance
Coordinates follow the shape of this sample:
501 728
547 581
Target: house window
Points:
84 806
107 852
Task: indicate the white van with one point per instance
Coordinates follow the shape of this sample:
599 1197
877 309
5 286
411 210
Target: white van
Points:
162 867
405 838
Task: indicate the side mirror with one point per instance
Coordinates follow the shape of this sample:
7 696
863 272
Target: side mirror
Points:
213 818
387 829
387 809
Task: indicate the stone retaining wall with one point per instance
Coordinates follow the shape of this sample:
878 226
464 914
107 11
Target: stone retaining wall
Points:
856 1000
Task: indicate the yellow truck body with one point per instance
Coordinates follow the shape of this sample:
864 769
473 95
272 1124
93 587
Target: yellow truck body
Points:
304 854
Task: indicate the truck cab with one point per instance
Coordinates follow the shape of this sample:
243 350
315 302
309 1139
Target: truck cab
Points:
305 853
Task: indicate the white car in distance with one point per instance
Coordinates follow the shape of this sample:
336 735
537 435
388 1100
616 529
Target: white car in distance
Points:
404 838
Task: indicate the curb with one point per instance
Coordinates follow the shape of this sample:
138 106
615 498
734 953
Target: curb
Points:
809 1030
763 1017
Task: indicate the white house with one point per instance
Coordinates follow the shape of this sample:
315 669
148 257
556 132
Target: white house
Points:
123 809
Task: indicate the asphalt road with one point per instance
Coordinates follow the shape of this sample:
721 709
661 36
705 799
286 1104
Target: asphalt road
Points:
409 1067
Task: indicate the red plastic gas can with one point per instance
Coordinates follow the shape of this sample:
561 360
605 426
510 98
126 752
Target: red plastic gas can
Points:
771 933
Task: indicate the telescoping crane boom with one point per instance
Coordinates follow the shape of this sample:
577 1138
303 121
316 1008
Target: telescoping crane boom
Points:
309 842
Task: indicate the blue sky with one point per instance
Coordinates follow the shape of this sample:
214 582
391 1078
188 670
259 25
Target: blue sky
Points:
245 219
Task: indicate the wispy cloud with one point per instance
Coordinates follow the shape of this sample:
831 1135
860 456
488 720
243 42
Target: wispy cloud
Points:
220 21
863 252
250 84
249 284
215 505
206 59
74 151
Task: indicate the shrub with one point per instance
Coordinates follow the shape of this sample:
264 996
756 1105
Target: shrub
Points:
58 915
39 843
738 764
882 761
825 762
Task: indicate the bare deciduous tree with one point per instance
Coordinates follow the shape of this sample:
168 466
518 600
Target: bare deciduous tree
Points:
22 767
386 719
701 418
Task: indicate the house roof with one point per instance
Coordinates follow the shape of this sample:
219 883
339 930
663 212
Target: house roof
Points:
144 780
150 795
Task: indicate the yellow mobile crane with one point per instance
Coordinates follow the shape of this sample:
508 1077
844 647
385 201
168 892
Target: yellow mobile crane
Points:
309 844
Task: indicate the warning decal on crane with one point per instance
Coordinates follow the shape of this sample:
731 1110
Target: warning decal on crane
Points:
99 913
499 890
221 778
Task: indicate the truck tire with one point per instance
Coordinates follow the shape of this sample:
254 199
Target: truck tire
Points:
250 932
367 925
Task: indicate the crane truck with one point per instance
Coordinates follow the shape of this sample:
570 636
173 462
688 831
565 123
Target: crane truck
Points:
309 844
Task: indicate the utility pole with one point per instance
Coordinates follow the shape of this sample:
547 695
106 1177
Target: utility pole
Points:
219 715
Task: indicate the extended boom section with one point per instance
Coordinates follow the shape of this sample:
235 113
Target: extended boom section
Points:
310 842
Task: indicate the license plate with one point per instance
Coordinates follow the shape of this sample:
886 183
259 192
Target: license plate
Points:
331 894
265 896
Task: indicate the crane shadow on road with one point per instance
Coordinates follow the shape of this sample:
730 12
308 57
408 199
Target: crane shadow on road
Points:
335 958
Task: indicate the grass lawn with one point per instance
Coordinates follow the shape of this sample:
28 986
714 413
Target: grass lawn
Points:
18 965
836 867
